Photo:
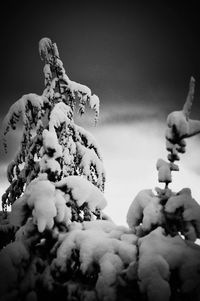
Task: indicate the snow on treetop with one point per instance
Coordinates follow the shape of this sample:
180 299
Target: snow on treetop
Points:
190 97
45 45
180 126
49 53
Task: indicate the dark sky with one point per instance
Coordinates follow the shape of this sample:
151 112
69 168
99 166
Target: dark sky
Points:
125 51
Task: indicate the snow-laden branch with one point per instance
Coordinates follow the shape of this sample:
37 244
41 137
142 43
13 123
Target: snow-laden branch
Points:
180 126
30 108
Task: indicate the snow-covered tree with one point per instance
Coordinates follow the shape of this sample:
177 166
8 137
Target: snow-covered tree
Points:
168 223
52 144
57 242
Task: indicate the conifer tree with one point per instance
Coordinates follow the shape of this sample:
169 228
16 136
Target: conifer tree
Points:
51 142
168 223
60 245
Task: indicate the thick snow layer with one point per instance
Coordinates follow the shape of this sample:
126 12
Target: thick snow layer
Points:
97 245
45 46
61 113
45 202
145 209
18 109
48 163
50 142
40 197
89 158
83 191
90 140
47 74
191 210
94 103
76 87
177 121
179 127
159 254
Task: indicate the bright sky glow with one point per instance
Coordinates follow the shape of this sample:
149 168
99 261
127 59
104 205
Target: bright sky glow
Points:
130 151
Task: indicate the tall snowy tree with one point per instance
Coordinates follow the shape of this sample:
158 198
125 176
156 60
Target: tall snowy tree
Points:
58 245
51 142
56 241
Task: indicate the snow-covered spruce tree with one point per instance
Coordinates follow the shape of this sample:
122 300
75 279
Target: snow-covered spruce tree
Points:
168 223
57 244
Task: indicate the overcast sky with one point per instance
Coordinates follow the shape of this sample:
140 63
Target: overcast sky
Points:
136 56
126 51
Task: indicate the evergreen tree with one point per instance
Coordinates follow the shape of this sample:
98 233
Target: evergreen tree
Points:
168 223
51 142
